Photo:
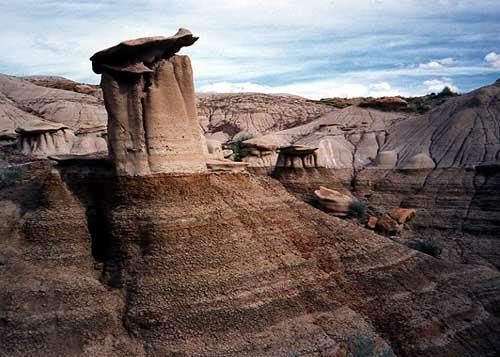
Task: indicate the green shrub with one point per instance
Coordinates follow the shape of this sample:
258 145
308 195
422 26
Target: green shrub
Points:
235 145
357 209
9 176
428 246
446 92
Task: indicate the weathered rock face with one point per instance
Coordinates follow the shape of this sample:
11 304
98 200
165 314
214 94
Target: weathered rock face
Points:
46 121
255 113
149 95
348 138
387 159
75 110
52 302
456 207
462 132
66 84
237 266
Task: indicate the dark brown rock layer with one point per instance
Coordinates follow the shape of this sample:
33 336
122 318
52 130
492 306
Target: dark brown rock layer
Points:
222 264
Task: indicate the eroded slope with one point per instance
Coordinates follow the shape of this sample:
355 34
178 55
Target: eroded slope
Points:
226 264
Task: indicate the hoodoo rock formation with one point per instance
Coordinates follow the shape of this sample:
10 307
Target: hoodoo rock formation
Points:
50 121
45 139
146 263
149 96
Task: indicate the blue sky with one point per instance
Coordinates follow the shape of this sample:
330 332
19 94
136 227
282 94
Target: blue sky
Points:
313 48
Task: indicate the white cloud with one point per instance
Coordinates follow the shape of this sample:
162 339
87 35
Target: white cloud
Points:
438 64
493 59
228 87
437 85
310 89
447 61
382 86
319 47
431 65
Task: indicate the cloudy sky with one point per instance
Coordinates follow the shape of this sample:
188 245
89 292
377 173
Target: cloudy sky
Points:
313 48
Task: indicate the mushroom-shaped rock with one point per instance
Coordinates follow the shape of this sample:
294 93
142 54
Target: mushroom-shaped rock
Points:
149 95
419 161
387 159
297 156
262 151
337 203
44 138
266 143
140 55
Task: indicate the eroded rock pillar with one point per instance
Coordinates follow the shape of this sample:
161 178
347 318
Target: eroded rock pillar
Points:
149 95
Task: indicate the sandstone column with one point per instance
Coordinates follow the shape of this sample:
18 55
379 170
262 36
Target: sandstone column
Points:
149 95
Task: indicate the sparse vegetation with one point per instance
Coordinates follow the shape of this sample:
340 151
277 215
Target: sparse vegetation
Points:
235 144
415 104
363 344
357 209
446 92
9 176
428 246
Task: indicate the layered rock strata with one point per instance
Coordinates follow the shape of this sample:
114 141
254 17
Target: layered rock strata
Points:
52 302
237 266
227 114
149 96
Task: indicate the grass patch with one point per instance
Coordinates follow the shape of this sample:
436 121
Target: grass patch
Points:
9 176
357 209
429 246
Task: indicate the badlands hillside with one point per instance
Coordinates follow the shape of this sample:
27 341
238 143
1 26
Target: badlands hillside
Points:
154 252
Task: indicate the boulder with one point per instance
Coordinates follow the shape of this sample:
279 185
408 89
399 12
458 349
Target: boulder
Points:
388 226
372 222
402 215
337 203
